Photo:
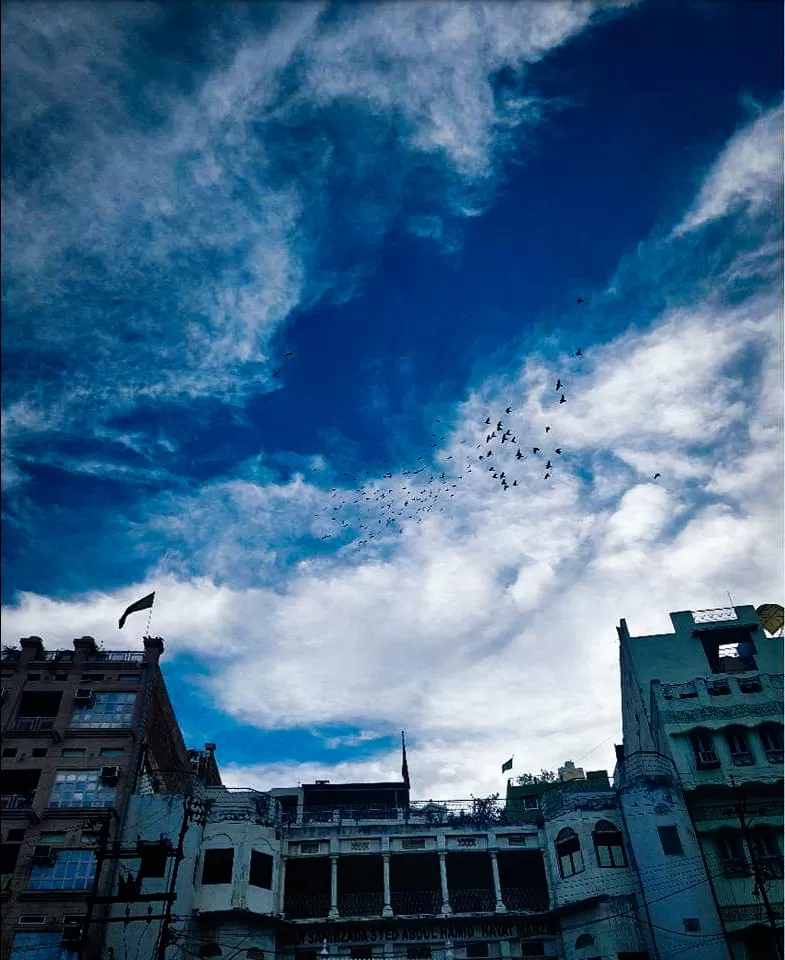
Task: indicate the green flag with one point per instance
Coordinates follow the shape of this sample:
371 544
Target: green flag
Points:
144 604
507 766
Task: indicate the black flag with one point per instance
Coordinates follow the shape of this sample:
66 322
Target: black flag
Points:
144 604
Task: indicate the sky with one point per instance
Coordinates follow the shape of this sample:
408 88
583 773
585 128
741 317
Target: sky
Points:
267 273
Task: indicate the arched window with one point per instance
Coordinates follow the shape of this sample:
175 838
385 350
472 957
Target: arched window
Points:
736 738
702 742
767 851
730 847
771 738
608 845
584 940
568 850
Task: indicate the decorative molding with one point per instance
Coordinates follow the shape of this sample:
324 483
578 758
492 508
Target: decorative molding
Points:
731 712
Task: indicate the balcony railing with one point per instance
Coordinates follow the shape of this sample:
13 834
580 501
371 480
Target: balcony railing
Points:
476 812
122 656
15 801
770 867
361 904
774 756
742 759
8 653
34 723
45 656
472 901
534 899
736 867
306 905
413 902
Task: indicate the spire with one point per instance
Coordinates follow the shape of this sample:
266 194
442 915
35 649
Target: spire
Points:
404 764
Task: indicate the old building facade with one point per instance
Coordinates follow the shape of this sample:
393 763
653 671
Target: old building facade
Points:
706 702
77 727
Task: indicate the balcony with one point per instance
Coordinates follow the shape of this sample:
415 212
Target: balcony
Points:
361 904
16 801
472 901
64 656
34 723
533 899
742 758
414 902
736 867
774 756
306 906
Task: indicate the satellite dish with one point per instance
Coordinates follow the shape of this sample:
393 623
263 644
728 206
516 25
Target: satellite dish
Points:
771 616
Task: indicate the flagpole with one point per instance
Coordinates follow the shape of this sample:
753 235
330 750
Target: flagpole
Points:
149 618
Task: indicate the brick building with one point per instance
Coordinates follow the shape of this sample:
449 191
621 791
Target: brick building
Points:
81 729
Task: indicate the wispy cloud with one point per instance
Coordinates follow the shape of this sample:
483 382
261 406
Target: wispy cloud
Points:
452 630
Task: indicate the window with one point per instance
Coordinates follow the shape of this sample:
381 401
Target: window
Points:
217 866
310 846
92 677
71 870
81 788
73 752
420 951
736 738
413 843
568 850
153 860
53 837
608 845
474 950
750 685
61 676
40 946
261 870
731 850
9 854
729 651
106 711
112 751
767 851
691 924
9 752
584 940
771 738
532 949
719 688
33 676
360 953
516 839
39 751
670 841
703 748
16 834
129 677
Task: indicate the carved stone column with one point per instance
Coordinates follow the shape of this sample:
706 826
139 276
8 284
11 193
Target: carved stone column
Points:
387 911
446 908
333 914
497 887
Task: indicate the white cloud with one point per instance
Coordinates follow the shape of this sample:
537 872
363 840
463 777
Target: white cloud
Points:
745 177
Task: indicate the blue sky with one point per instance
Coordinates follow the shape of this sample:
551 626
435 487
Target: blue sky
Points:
409 199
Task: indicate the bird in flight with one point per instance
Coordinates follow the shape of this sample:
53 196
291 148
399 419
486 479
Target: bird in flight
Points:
549 465
508 410
579 352
276 373
488 420
581 300
515 483
290 353
499 425
519 455
547 429
558 385
558 450
535 449
563 399
656 475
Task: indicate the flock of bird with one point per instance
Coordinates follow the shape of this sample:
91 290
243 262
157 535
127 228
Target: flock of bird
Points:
377 506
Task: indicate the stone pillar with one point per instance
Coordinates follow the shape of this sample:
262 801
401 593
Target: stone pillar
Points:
333 914
446 908
497 887
282 886
387 911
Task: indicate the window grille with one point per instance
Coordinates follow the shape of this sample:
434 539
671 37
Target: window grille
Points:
71 870
81 788
105 711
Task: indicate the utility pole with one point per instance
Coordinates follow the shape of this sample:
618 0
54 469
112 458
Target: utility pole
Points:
100 856
163 940
760 881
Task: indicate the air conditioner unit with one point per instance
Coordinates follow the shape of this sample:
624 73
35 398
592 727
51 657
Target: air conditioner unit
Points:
110 775
44 854
83 695
708 758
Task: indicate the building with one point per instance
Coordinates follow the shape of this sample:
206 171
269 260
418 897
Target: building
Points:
360 870
706 703
78 728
